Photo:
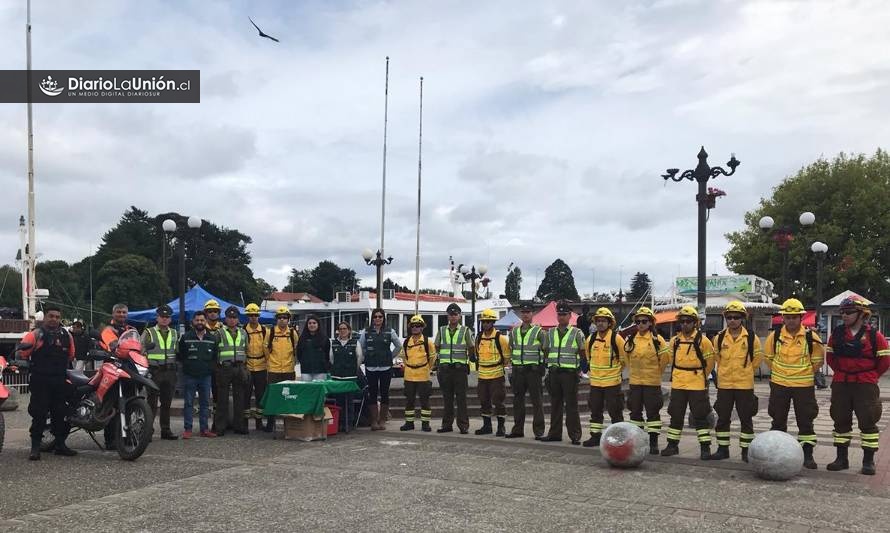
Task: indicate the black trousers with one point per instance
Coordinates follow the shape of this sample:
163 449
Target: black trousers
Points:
698 403
378 385
527 378
232 378
413 390
609 398
49 396
805 410
453 382
646 397
744 402
164 377
256 387
492 393
563 387
864 399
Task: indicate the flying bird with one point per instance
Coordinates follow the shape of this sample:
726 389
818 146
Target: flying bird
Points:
261 31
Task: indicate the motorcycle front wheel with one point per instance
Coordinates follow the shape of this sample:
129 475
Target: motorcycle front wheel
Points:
139 422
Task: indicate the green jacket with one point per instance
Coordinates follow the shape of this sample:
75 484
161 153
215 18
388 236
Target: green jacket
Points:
198 356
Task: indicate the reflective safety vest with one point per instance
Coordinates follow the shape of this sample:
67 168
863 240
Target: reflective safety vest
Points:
453 347
526 349
232 349
164 350
562 353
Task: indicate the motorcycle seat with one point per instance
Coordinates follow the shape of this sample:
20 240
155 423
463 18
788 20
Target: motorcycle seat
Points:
77 377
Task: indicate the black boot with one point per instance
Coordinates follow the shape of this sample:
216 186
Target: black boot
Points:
63 449
842 462
486 426
593 441
653 444
672 448
259 424
445 429
868 461
407 426
270 424
721 453
501 429
808 461
166 434
35 450
425 426
705 454
745 454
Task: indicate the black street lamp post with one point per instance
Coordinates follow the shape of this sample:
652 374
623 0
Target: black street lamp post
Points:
472 275
820 249
783 237
378 262
194 223
702 173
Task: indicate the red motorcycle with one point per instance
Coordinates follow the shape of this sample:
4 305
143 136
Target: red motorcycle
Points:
4 395
114 395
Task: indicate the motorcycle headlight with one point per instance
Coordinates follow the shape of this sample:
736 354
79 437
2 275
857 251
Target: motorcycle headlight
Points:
143 370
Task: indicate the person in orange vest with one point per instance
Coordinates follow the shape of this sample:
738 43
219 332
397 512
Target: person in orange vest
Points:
419 354
51 351
794 354
108 341
692 362
493 352
858 354
739 355
606 361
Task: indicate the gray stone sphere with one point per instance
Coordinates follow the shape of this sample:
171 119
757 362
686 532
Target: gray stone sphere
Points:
624 445
776 455
711 418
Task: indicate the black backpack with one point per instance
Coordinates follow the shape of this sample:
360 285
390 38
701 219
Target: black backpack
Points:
696 345
426 347
722 335
497 343
614 353
629 343
272 336
808 335
838 337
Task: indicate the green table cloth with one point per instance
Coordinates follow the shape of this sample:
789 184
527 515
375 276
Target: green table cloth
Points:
302 397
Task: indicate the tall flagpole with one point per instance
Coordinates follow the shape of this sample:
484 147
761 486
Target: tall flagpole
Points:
30 252
419 168
383 200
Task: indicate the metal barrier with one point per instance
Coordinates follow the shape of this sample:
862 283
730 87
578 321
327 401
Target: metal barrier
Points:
16 379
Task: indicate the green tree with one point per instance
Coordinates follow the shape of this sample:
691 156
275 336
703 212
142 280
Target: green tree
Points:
848 195
10 287
131 279
299 281
639 286
513 285
65 286
328 278
265 287
558 283
390 284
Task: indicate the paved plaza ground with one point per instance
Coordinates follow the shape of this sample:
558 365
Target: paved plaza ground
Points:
398 481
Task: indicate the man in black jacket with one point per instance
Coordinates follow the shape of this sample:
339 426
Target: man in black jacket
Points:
198 354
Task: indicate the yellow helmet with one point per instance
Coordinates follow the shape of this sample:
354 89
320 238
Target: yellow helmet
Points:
282 311
645 311
735 307
792 306
488 314
688 310
603 312
211 305
417 320
252 309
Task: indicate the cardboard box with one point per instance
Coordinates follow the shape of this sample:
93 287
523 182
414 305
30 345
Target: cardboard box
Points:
306 428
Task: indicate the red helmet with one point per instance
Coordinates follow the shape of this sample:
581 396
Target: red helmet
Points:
856 303
129 342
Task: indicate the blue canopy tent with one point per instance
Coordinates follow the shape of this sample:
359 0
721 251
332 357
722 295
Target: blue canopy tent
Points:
507 321
194 301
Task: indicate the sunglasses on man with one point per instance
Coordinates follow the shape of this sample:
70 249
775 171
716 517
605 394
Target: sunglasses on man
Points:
734 317
641 321
849 312
686 321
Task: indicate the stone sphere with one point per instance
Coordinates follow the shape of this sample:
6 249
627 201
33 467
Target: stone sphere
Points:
711 418
624 445
776 455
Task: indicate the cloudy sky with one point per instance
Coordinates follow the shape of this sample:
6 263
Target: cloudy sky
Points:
546 125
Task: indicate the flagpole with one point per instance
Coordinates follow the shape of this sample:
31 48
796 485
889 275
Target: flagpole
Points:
419 168
30 252
383 194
